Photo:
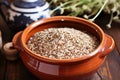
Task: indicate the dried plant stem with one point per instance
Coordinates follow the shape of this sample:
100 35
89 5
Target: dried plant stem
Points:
99 11
110 22
58 7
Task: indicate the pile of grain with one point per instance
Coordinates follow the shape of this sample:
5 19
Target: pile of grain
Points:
62 43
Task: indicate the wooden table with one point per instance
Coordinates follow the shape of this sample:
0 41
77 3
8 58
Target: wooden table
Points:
110 70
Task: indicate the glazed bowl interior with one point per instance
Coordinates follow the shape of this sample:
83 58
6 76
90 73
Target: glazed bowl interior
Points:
62 21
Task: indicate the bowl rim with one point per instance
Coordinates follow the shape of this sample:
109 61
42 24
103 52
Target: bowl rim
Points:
62 18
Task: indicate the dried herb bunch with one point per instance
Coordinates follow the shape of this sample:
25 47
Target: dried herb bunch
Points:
87 8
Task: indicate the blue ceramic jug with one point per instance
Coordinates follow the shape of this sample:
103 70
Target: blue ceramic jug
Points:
23 12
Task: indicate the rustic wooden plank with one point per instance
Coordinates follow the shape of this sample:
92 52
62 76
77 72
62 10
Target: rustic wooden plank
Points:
2 67
114 64
2 58
17 71
95 77
111 68
104 72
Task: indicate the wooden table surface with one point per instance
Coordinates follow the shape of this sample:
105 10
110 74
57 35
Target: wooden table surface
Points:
110 70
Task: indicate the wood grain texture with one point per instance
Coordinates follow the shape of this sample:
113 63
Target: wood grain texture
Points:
16 70
2 67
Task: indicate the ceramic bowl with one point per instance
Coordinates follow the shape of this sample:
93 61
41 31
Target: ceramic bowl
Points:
65 69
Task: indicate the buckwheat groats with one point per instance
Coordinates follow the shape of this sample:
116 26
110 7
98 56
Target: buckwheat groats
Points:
62 43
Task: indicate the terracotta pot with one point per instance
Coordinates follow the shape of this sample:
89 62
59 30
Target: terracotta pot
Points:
66 69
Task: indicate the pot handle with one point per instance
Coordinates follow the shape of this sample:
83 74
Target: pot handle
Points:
11 48
108 47
17 41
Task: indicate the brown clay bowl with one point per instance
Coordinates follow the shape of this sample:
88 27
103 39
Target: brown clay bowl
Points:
66 69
